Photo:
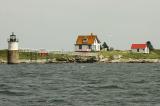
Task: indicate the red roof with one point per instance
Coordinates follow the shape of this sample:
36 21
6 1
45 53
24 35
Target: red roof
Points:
138 46
87 39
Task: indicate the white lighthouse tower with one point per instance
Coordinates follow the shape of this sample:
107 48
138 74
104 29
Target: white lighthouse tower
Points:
13 53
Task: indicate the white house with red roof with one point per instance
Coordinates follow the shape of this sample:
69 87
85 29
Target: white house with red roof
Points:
140 48
87 43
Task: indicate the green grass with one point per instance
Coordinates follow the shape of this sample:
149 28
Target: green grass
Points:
30 56
22 55
128 54
35 56
3 54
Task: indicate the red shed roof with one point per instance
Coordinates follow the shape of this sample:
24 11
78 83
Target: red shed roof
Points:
138 46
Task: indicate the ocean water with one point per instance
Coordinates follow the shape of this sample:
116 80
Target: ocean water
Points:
80 85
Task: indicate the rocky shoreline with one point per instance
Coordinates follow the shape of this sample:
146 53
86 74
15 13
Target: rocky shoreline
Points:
131 61
86 60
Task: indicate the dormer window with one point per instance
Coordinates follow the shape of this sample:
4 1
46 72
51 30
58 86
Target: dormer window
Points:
85 40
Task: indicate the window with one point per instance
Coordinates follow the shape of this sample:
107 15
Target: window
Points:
80 46
137 50
89 46
85 40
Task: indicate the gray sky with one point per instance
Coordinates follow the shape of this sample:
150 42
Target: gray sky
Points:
55 24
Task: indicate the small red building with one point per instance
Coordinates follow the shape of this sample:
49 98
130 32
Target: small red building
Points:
43 53
139 48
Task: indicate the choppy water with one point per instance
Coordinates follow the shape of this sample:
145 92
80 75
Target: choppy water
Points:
80 85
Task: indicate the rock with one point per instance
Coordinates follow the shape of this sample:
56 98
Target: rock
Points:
104 60
101 57
117 56
85 59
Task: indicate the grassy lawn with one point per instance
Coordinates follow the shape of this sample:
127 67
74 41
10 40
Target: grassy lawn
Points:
3 54
128 54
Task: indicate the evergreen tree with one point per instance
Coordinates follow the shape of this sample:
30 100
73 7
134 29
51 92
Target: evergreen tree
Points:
149 45
105 46
101 47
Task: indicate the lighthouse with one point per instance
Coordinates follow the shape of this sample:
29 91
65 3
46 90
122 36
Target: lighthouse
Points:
13 53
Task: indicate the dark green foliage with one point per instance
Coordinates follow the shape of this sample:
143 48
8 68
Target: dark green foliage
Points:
101 47
150 46
105 46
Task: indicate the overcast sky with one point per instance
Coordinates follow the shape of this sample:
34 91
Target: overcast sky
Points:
55 24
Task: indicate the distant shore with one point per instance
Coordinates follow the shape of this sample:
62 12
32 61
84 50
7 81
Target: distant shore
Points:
116 56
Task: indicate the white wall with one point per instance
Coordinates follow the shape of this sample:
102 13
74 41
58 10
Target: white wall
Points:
84 48
146 50
12 45
97 45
